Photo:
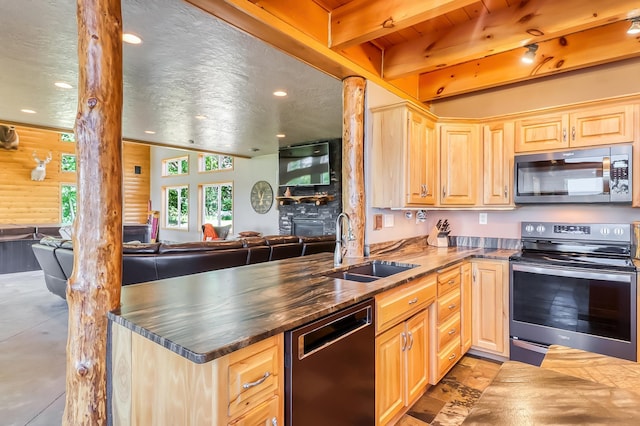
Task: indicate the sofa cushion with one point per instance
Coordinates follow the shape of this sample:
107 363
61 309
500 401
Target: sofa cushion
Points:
131 248
56 242
198 246
187 263
253 241
317 238
273 240
258 254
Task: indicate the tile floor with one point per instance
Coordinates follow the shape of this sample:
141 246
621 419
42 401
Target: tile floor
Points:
33 330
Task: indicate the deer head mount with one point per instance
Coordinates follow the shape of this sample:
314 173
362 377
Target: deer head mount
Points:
8 137
40 171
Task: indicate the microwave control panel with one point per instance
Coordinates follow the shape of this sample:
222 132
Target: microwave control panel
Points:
619 178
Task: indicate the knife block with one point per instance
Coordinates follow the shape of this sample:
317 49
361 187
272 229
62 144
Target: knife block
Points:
435 241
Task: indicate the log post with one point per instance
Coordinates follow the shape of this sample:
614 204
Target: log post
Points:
353 90
94 286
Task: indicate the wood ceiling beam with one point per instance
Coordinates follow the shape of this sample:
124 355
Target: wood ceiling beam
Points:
528 22
576 51
364 20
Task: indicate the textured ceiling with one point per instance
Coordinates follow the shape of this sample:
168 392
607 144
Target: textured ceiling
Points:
189 64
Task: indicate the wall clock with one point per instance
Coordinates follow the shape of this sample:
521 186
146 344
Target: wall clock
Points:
261 196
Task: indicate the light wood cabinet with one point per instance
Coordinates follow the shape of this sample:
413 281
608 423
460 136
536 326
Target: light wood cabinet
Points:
395 305
403 157
497 145
602 125
542 133
466 311
446 324
490 306
459 164
402 366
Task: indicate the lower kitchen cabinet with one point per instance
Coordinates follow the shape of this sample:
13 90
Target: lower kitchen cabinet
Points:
402 366
490 306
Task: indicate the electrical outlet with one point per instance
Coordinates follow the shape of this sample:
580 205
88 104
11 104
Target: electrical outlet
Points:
482 219
388 220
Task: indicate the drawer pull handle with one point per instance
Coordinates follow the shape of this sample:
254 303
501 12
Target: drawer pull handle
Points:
452 331
452 306
404 341
452 357
451 282
413 301
410 341
257 382
274 422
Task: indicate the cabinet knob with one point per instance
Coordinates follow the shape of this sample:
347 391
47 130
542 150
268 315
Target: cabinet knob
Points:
564 134
452 306
506 191
413 301
452 332
444 192
573 133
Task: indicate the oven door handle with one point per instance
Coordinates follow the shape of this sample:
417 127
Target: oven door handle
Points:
576 273
530 346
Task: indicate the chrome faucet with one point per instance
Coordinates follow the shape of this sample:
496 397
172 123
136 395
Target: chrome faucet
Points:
341 242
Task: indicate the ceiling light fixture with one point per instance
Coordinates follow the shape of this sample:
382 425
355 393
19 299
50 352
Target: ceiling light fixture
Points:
150 132
281 135
530 55
28 111
63 85
201 117
635 26
131 38
280 93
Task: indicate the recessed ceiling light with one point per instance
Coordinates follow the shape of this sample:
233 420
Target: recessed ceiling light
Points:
150 132
63 85
201 117
28 111
254 149
131 38
635 26
530 55
280 93
281 135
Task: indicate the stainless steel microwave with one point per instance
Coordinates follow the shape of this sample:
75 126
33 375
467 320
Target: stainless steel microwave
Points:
592 175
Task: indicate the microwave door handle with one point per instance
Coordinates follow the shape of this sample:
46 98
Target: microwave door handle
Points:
606 175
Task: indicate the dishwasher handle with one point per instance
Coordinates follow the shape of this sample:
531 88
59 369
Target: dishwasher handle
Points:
333 330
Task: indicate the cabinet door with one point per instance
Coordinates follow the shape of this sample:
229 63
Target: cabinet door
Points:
466 307
266 414
497 144
490 307
390 374
387 157
459 164
602 125
542 133
417 353
421 160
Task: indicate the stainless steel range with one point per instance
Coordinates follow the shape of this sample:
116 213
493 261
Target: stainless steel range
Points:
573 285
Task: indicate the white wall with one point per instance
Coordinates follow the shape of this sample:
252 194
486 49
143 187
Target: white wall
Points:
244 174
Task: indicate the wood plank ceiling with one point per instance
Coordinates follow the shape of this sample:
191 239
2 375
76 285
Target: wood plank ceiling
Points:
436 49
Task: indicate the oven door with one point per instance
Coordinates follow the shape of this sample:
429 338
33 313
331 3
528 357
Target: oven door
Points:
589 309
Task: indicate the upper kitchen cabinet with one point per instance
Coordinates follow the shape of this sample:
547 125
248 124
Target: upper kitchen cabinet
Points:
542 133
459 164
602 124
403 157
497 145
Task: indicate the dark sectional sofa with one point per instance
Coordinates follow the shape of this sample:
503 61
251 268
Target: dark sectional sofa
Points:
154 261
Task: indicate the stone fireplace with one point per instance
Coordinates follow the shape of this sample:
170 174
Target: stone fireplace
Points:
309 219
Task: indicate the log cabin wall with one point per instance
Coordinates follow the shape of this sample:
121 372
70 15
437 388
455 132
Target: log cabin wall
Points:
23 201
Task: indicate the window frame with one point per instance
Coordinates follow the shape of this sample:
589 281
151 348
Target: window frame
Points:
66 154
165 208
202 159
179 160
201 204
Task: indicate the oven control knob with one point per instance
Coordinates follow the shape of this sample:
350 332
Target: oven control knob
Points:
540 229
618 231
605 231
529 228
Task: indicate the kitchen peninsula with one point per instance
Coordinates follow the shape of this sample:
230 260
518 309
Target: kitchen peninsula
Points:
173 341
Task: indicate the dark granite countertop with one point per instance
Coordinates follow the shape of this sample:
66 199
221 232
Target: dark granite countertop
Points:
205 316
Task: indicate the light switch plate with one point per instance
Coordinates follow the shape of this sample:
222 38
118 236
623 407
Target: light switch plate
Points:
388 220
482 219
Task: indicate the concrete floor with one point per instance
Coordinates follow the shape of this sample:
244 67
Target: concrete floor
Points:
33 339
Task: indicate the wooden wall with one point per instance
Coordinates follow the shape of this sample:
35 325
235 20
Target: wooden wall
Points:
23 201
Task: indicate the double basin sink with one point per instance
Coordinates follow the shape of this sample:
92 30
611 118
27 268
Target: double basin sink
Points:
370 271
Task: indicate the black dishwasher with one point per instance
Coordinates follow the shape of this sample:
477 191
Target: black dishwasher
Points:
330 370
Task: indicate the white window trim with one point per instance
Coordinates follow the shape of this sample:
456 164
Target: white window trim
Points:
165 221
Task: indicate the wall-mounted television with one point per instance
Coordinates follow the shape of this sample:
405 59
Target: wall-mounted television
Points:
304 165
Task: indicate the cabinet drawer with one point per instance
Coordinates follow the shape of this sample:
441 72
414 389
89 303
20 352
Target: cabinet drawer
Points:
449 331
448 280
448 357
400 303
253 377
264 414
448 305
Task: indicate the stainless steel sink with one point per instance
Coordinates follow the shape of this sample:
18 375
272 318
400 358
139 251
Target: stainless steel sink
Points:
371 271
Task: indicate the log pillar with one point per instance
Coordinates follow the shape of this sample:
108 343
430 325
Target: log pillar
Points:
94 286
353 90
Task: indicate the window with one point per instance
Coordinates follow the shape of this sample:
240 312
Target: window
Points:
216 201
175 166
67 137
215 162
68 163
177 207
68 194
